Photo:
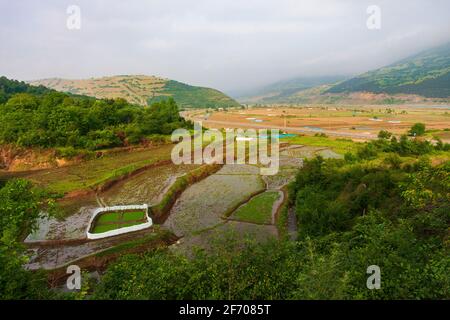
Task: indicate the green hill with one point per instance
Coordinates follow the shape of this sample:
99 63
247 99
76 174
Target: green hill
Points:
33 116
194 97
142 90
426 74
8 88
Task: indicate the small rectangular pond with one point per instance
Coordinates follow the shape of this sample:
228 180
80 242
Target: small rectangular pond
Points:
111 221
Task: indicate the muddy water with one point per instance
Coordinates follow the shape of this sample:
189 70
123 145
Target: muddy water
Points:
51 257
146 187
71 228
203 204
229 231
196 216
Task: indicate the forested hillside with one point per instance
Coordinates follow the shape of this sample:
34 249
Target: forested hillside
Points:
142 90
38 117
426 74
8 88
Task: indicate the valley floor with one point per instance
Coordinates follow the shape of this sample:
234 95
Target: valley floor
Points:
203 213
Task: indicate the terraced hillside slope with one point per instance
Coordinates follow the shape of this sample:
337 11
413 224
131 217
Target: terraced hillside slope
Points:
420 79
426 74
143 90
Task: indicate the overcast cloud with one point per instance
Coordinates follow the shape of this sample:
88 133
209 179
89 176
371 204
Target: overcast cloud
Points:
229 45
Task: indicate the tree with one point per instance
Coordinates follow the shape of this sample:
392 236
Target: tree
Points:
20 205
417 130
384 134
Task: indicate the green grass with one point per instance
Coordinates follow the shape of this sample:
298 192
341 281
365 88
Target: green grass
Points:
91 173
104 228
109 227
258 209
108 217
114 220
188 96
157 234
133 215
341 146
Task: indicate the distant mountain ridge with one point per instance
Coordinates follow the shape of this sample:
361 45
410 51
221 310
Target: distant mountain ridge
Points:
282 91
426 74
421 78
141 89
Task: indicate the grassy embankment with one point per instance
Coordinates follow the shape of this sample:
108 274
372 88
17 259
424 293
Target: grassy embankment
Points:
93 173
258 209
341 146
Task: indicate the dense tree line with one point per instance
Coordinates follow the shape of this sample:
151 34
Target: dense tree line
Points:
38 117
8 88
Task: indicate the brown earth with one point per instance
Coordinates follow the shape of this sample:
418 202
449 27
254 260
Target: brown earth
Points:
349 121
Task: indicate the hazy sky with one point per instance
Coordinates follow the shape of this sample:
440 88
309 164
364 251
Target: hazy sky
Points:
227 44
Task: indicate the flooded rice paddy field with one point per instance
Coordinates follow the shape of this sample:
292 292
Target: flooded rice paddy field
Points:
202 205
72 227
229 231
198 216
147 187
52 257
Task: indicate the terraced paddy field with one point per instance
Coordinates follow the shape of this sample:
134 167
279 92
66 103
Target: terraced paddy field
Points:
283 177
240 231
204 204
146 187
236 201
55 256
258 209
89 174
72 227
296 152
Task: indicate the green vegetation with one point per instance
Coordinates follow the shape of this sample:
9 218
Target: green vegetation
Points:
387 208
142 90
386 204
338 145
383 134
133 215
109 227
157 234
194 97
20 206
426 74
258 209
417 129
52 119
403 147
8 88
95 173
108 217
115 220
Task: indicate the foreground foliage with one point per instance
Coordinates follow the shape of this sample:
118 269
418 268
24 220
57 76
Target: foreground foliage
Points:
20 205
383 210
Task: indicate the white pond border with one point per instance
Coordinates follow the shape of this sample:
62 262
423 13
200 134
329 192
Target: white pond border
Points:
111 233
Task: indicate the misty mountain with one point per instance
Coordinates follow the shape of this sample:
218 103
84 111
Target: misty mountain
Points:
426 74
282 91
